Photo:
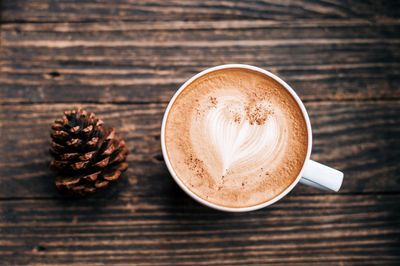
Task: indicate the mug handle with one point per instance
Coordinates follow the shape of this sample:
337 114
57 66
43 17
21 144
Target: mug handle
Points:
321 176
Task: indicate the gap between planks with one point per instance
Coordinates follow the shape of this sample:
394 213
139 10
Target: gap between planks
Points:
309 101
126 197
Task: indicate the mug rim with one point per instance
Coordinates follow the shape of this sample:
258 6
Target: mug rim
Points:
213 205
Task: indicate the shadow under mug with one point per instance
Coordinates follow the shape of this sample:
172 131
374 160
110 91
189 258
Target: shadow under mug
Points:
312 173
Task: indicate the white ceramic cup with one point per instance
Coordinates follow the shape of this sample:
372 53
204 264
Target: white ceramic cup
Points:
312 173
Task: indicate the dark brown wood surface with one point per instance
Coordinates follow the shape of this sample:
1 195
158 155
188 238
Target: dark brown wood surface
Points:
125 59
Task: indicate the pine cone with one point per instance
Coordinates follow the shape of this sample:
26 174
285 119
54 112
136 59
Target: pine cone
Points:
87 155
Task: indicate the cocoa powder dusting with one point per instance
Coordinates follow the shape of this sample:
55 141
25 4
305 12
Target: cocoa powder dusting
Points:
237 118
213 101
257 114
196 165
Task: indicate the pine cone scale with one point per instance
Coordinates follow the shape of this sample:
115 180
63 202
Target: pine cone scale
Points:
103 163
87 156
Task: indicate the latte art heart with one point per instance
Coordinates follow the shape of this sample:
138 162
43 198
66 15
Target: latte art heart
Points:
242 137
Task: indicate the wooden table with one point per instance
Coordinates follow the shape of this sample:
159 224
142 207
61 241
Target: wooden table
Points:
124 60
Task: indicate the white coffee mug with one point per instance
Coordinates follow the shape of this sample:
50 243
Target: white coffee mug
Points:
312 173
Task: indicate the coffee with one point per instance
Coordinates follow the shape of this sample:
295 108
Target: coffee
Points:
236 137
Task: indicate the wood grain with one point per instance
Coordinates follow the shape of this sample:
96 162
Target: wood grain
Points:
173 230
147 62
124 60
101 10
361 139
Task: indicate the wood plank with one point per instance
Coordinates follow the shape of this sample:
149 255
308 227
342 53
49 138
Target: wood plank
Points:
100 10
172 230
147 62
359 138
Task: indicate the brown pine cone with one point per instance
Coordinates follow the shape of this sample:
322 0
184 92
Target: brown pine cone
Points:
87 155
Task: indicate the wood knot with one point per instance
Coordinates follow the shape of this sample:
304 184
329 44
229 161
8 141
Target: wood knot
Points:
52 75
38 248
